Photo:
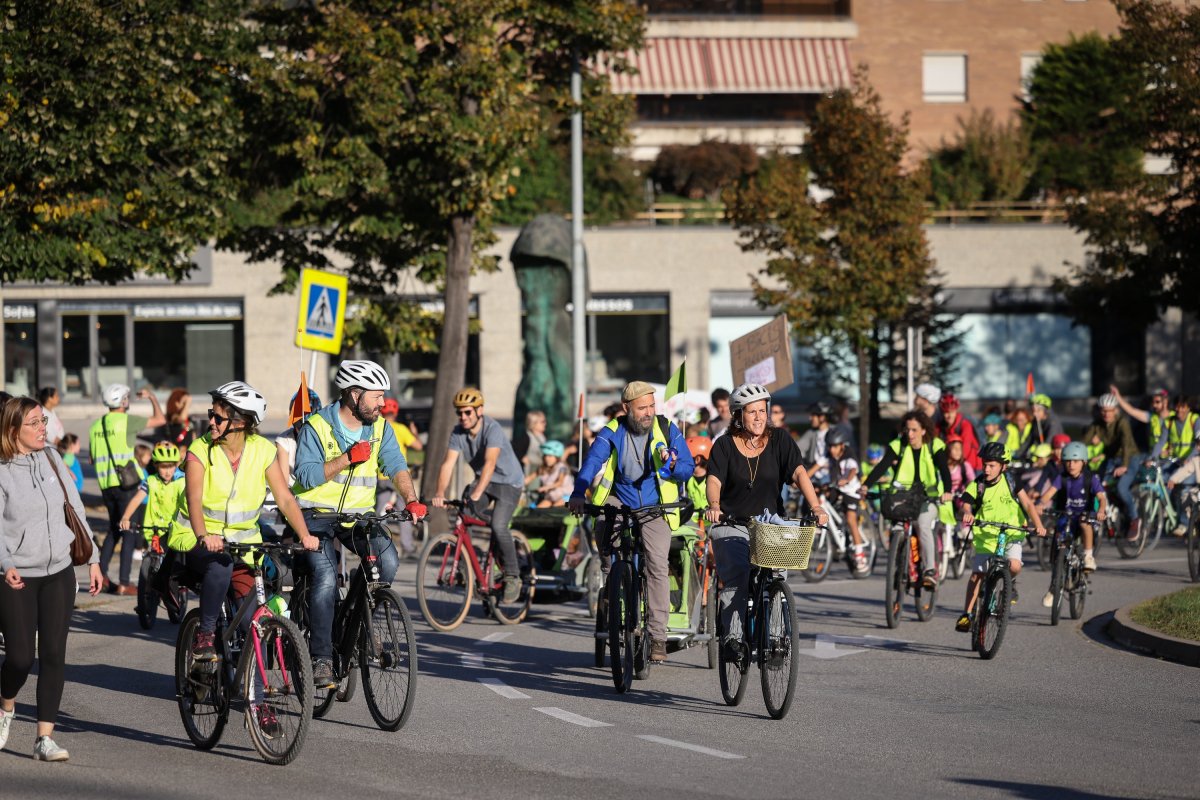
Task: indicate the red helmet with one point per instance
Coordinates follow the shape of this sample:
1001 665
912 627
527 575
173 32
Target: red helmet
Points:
952 438
948 401
699 446
1061 440
391 406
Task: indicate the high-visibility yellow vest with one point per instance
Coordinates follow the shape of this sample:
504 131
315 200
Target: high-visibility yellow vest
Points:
1179 436
162 503
231 501
357 482
108 460
906 470
1000 504
668 490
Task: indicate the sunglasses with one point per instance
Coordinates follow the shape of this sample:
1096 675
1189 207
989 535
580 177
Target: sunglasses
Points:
216 418
464 412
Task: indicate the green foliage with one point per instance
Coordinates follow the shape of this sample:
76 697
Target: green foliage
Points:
987 161
701 171
1176 614
118 121
372 326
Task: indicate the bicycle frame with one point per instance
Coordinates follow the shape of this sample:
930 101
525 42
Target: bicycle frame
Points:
1157 488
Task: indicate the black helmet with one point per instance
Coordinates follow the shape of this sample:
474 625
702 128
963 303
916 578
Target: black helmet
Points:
993 451
836 436
821 408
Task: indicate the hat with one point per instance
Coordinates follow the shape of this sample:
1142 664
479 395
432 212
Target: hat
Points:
635 389
929 393
1040 399
992 419
1160 392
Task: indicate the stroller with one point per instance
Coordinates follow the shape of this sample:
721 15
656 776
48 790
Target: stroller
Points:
564 554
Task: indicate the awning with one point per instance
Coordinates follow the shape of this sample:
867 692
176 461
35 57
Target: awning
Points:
737 65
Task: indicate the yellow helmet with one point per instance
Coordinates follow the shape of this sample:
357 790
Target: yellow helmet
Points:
468 397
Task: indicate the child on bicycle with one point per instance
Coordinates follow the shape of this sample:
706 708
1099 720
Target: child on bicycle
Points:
843 477
1079 491
962 475
551 483
160 491
995 497
699 446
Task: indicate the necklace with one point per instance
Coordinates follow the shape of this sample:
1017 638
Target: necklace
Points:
752 469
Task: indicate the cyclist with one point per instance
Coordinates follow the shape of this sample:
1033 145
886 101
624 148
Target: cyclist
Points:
1020 433
995 430
926 398
227 472
844 479
340 452
160 490
813 450
1045 424
1079 491
746 474
994 497
1114 438
920 464
699 447
955 424
628 454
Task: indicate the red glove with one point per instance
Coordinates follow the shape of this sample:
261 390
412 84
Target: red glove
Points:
417 510
359 452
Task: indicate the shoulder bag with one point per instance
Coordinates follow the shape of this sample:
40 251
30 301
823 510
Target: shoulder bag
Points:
81 548
128 476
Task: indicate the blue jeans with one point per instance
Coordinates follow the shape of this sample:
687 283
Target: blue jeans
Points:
322 567
1125 486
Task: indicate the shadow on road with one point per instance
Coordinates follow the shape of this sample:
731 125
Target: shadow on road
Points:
1034 791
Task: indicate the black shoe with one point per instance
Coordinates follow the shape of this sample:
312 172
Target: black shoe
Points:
964 624
323 674
732 648
929 579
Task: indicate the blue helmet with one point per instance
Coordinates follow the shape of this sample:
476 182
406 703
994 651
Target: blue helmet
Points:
874 452
553 448
1075 451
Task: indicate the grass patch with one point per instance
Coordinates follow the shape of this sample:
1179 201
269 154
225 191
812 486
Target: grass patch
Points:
1176 614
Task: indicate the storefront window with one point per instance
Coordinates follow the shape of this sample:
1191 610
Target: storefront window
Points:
111 364
629 338
1001 350
194 355
20 348
76 383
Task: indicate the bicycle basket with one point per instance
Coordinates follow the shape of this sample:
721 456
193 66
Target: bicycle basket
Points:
902 506
780 546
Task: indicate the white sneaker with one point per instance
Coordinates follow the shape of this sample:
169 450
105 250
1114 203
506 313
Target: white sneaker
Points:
1180 530
46 750
1089 563
138 555
1048 599
5 723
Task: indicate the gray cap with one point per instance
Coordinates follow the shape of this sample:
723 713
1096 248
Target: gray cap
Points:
635 389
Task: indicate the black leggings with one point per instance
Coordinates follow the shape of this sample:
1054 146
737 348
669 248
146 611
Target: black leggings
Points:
44 608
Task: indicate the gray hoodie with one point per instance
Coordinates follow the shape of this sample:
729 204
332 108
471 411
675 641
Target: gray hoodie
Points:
34 537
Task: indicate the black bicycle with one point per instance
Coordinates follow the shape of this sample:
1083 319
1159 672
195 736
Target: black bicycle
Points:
1067 575
993 595
372 630
155 589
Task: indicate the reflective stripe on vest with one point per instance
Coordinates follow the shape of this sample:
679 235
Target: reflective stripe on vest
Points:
358 482
668 490
905 472
107 461
1179 437
231 501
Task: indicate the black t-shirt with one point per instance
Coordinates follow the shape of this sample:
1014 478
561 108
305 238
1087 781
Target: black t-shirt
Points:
772 469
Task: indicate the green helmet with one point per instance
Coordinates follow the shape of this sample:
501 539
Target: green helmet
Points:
1040 399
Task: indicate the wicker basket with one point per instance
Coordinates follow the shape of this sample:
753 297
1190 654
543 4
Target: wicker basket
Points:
780 546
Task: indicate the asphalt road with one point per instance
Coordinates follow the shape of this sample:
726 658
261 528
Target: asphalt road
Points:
520 712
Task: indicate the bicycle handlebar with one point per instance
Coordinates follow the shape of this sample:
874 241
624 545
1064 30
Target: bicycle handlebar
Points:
1005 526
242 548
642 514
397 514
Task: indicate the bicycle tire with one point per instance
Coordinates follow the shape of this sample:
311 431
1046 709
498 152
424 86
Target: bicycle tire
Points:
732 674
926 603
444 582
176 610
1193 546
1159 526
820 558
621 621
777 662
1078 594
710 621
515 612
941 557
199 687
601 642
593 584
895 578
387 658
1045 560
958 563
1057 575
992 612
1132 548
641 654
288 668
346 690
147 604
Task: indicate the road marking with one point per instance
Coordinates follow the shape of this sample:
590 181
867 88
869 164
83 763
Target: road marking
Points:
503 689
825 646
1133 562
492 638
708 751
574 719
474 660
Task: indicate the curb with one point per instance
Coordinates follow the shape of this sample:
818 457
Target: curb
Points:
1125 631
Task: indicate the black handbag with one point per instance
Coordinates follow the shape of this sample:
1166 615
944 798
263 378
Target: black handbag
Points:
128 476
902 506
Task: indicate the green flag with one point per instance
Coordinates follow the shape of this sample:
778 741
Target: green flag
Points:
678 382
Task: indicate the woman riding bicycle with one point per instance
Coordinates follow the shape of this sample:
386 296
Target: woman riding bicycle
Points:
746 474
227 472
920 465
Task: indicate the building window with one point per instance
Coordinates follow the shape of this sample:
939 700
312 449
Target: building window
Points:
944 78
1000 350
629 337
1029 63
20 348
782 108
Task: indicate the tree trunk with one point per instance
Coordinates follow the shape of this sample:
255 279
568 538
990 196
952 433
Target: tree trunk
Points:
452 354
865 401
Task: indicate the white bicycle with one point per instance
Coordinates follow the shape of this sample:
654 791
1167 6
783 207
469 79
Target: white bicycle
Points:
835 542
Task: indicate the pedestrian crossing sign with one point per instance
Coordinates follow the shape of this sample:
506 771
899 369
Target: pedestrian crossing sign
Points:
322 311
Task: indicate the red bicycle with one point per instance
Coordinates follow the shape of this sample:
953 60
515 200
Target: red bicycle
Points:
452 568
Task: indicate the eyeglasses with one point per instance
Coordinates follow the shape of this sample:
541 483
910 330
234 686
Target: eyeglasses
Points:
464 412
39 422
216 418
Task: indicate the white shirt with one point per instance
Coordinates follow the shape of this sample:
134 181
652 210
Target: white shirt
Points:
54 427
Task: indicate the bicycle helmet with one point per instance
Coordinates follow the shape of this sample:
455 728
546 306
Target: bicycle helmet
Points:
1107 400
822 408
391 406
874 452
836 436
948 402
553 447
993 451
314 400
165 453
115 395
468 397
699 446
1075 451
746 394
243 397
1042 450
1059 440
362 374
1040 399
992 419
929 393
952 438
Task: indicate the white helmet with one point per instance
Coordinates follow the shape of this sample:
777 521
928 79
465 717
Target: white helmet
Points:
929 393
746 394
243 397
1107 401
115 395
363 374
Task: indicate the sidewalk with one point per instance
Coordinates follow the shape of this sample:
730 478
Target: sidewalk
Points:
1125 631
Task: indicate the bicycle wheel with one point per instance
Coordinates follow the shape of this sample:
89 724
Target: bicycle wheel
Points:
601 634
993 612
199 689
514 612
777 650
349 685
941 561
1193 546
279 690
1077 587
821 557
444 582
1044 557
1132 548
1058 572
622 618
926 602
177 604
388 660
896 578
732 672
710 621
593 584
147 607
1158 525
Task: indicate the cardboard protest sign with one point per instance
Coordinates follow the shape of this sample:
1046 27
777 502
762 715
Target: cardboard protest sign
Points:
764 355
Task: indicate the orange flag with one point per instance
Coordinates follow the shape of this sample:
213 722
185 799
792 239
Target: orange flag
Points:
301 408
1029 384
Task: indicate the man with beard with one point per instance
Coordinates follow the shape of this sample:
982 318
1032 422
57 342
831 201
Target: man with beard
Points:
630 450
340 452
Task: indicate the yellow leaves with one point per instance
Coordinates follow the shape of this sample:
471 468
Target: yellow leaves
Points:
93 253
58 212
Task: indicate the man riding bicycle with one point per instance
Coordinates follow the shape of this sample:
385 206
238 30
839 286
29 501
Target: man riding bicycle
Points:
499 477
631 449
341 450
1114 438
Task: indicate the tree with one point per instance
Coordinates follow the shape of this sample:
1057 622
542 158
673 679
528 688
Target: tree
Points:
1144 232
117 125
987 161
845 264
396 127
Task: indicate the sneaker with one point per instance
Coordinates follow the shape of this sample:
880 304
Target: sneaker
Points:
1048 599
6 718
1015 595
138 555
46 750
1179 530
658 651
268 723
512 589
860 563
732 648
204 648
964 624
1089 563
323 674
929 579
1134 528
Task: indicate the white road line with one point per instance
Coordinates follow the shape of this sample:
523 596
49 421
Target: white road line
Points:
708 751
474 660
492 638
574 719
1128 563
503 689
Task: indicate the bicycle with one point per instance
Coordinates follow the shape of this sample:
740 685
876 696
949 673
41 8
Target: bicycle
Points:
372 631
769 636
904 574
1066 564
990 619
1155 509
450 571
1193 546
835 540
175 600
259 652
957 548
